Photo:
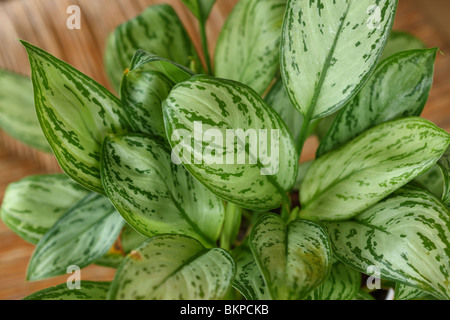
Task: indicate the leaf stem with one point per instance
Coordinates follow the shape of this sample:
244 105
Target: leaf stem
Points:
204 39
231 225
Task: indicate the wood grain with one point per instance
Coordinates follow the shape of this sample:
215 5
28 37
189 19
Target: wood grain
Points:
43 23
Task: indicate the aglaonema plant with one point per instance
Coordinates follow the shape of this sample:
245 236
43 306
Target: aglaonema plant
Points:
187 179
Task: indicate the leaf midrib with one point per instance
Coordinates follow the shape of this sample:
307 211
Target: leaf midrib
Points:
325 68
179 268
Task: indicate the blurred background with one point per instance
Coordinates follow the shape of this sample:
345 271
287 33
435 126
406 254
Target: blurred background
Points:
43 23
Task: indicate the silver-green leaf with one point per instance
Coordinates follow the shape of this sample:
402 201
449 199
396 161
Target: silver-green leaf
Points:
294 259
348 180
169 267
142 93
330 48
153 194
343 283
248 45
158 30
89 290
249 280
75 113
31 206
17 114
405 236
81 236
398 88
231 141
404 292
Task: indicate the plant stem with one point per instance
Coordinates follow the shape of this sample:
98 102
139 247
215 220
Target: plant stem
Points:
231 225
304 134
285 211
204 40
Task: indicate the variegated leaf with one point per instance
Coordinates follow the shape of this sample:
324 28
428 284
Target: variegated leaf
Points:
294 259
231 141
406 237
17 114
362 295
31 206
248 46
81 236
346 181
157 30
142 93
278 99
399 41
398 88
343 283
200 8
249 280
75 113
153 194
169 267
329 49
404 292
302 170
444 164
89 290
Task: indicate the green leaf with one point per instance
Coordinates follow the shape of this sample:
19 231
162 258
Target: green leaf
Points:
142 94
131 239
31 206
231 225
401 41
404 292
17 114
432 180
294 259
278 99
153 194
216 127
169 267
444 164
90 290
158 30
175 72
329 49
398 88
343 283
362 295
248 46
405 236
200 8
75 113
249 280
81 236
302 170
348 180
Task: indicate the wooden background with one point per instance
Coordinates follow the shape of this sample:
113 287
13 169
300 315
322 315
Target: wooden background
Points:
43 23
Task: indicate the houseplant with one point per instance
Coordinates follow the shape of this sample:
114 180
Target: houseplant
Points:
151 188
